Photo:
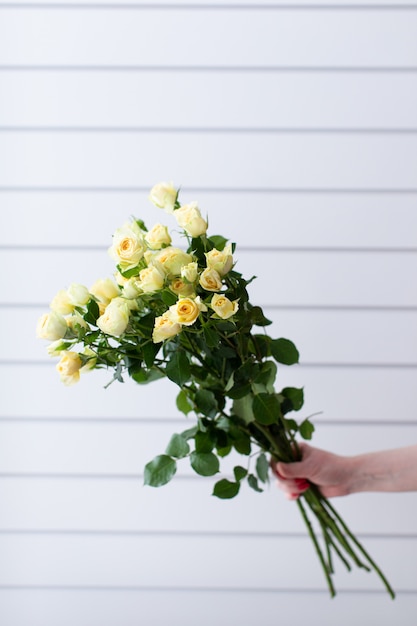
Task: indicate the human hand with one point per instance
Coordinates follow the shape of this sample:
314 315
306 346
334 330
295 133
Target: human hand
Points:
329 472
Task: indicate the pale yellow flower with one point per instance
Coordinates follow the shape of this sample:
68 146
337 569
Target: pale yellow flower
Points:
105 289
189 272
115 318
182 289
186 310
210 280
128 246
220 260
61 303
76 320
92 360
189 218
150 280
51 326
158 237
171 260
165 328
223 307
164 196
78 294
69 367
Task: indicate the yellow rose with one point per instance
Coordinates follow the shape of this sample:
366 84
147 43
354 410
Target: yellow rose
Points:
131 303
164 196
220 260
92 360
69 368
78 294
158 237
171 260
51 326
186 310
181 288
164 328
104 290
189 218
223 307
56 347
210 280
128 246
189 272
150 279
61 303
76 320
115 318
131 288
120 279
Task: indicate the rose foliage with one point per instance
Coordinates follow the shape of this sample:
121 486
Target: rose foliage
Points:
184 313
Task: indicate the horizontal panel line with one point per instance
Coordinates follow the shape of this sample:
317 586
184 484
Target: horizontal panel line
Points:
207 129
78 476
305 365
172 421
192 534
233 190
180 6
254 249
213 68
335 308
223 589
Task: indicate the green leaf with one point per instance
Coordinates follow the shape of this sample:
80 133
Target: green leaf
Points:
159 471
93 312
178 368
204 463
242 444
258 318
262 468
168 297
239 391
260 346
267 375
143 377
306 429
230 383
149 352
190 433
134 271
203 442
226 489
242 407
222 452
294 396
177 447
218 241
291 425
211 337
141 225
253 483
239 472
206 402
183 403
266 408
284 351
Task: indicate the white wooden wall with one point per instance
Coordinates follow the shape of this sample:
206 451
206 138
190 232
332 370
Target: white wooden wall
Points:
295 127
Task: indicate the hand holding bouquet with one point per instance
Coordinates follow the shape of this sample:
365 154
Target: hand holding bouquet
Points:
184 313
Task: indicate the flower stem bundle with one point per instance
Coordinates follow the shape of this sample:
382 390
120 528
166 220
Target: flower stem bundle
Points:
184 313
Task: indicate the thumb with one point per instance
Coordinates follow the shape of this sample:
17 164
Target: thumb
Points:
289 470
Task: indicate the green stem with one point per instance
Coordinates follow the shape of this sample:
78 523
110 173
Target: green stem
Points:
314 539
362 550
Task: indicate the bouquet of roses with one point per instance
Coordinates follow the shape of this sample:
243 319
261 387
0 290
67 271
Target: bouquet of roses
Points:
184 313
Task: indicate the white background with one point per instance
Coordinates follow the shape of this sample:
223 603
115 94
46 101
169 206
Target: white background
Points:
295 127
